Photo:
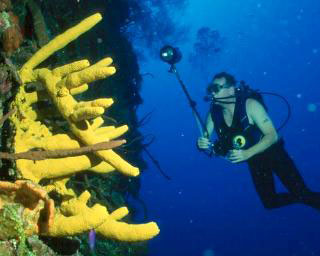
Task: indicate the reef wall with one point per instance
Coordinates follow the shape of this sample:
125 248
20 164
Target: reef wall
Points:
60 146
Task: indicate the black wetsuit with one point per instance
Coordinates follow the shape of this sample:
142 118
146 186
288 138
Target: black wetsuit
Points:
274 160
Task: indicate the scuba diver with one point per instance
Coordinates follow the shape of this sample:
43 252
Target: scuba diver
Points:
245 132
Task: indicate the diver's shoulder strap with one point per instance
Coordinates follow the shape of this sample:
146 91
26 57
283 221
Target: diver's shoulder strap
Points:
217 118
246 92
242 120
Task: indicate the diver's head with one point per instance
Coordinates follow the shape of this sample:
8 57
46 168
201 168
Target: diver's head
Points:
222 88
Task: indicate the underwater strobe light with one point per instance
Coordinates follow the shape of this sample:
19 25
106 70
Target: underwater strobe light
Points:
170 54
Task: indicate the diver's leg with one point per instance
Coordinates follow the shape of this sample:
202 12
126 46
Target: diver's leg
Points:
289 175
263 180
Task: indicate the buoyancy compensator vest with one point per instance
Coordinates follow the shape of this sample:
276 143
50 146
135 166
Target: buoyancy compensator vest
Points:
240 134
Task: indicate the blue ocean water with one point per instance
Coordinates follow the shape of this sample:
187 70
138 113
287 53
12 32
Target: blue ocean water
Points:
210 206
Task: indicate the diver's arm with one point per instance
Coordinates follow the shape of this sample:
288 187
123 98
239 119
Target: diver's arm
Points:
257 113
262 120
209 126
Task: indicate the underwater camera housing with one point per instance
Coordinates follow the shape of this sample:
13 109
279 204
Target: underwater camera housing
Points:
170 54
219 149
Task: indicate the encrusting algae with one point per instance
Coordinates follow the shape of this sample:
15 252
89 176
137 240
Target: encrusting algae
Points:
71 151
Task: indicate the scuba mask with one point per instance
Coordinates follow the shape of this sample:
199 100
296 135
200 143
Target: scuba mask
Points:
213 87
240 89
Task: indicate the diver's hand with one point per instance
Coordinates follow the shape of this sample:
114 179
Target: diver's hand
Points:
203 143
238 155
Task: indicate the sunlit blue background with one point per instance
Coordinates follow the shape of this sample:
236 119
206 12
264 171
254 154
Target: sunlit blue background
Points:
211 204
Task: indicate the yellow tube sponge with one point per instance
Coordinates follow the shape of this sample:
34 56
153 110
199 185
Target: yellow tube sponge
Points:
56 44
126 232
90 74
55 167
76 217
36 130
84 118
